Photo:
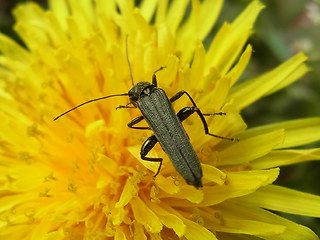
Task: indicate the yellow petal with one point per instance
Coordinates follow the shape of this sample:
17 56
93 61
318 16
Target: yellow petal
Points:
161 11
106 7
213 174
238 69
168 219
139 233
197 68
129 191
119 235
170 73
298 132
167 184
297 74
8 202
85 8
117 216
32 30
175 14
153 166
209 11
147 9
166 46
144 215
55 235
226 126
125 6
229 41
240 209
60 10
253 89
249 148
107 163
216 98
238 184
279 158
250 227
234 236
202 18
216 221
188 192
40 229
12 50
195 231
18 231
286 200
155 236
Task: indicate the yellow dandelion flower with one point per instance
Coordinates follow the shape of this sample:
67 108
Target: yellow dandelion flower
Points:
82 177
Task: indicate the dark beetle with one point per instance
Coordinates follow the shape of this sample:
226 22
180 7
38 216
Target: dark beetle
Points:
158 112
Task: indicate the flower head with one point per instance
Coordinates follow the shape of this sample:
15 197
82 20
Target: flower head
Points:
82 177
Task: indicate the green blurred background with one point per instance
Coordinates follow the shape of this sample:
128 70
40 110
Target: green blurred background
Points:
284 28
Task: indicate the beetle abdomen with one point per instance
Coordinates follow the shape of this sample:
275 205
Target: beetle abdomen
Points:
162 119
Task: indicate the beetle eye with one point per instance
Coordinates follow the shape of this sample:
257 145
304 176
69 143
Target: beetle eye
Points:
133 96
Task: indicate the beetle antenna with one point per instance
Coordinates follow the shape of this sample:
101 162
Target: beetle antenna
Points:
92 100
128 61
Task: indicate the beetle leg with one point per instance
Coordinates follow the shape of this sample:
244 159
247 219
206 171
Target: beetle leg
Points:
121 106
217 113
126 106
185 112
135 121
179 95
145 149
154 78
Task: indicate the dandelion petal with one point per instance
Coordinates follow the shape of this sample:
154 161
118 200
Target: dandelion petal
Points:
195 231
278 158
229 41
276 198
251 90
240 209
297 132
250 148
144 215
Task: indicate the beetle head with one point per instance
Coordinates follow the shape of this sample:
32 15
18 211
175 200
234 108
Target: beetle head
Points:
136 91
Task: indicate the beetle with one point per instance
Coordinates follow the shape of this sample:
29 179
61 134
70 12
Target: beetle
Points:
157 110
